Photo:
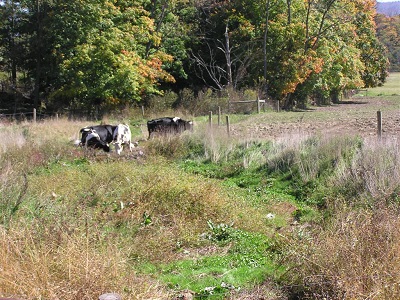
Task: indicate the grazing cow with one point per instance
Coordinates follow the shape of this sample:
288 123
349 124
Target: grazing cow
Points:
122 136
100 137
168 125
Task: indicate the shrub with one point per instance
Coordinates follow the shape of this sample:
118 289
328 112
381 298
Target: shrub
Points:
162 103
374 172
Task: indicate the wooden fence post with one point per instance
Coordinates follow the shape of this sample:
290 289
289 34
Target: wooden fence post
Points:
142 111
258 104
34 115
228 129
379 119
219 115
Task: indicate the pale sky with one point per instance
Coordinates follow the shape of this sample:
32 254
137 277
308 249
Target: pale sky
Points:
386 0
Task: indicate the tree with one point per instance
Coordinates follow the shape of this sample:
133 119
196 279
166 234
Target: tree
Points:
96 54
341 51
85 54
99 55
331 36
388 33
12 41
372 51
227 49
173 23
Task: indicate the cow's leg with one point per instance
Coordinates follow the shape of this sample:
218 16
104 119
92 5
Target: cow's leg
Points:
118 148
131 146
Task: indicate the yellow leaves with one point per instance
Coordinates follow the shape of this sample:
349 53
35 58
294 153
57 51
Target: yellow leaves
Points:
153 70
150 71
290 87
367 5
318 65
80 74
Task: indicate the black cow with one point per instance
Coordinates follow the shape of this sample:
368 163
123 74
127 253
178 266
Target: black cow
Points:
168 125
97 137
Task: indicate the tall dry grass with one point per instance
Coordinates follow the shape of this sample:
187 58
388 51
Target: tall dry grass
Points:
374 170
357 256
67 266
74 227
355 252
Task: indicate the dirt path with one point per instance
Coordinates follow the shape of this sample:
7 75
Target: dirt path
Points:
353 117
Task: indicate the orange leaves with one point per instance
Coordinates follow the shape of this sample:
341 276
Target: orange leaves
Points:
154 63
318 65
299 69
112 101
150 71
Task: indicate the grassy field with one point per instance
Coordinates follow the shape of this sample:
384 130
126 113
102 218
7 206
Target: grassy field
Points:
390 88
304 216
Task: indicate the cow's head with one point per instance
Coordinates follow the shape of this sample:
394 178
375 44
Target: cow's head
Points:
189 125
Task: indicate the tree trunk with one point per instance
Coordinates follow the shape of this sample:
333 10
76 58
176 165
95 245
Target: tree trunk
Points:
289 11
265 47
228 58
335 96
160 20
36 94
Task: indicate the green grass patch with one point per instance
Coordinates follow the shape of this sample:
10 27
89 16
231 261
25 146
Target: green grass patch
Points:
246 262
389 88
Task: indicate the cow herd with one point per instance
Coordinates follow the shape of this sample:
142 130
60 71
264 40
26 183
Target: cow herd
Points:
101 136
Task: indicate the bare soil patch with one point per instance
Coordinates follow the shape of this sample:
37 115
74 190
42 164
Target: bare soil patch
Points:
350 117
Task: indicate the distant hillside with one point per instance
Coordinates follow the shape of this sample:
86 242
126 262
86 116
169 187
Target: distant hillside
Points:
388 8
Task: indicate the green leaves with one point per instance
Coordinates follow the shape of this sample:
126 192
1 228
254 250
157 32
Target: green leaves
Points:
100 55
110 68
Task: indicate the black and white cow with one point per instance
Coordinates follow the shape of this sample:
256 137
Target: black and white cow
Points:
122 136
100 137
168 125
97 137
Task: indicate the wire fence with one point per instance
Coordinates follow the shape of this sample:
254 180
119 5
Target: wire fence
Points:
33 116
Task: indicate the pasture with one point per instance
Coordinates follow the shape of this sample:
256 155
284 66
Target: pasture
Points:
291 205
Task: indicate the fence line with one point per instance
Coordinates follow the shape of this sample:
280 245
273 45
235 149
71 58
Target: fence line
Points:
258 101
228 126
34 115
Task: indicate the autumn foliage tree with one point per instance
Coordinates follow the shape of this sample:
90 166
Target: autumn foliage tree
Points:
96 56
301 50
334 49
92 55
388 33
108 65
